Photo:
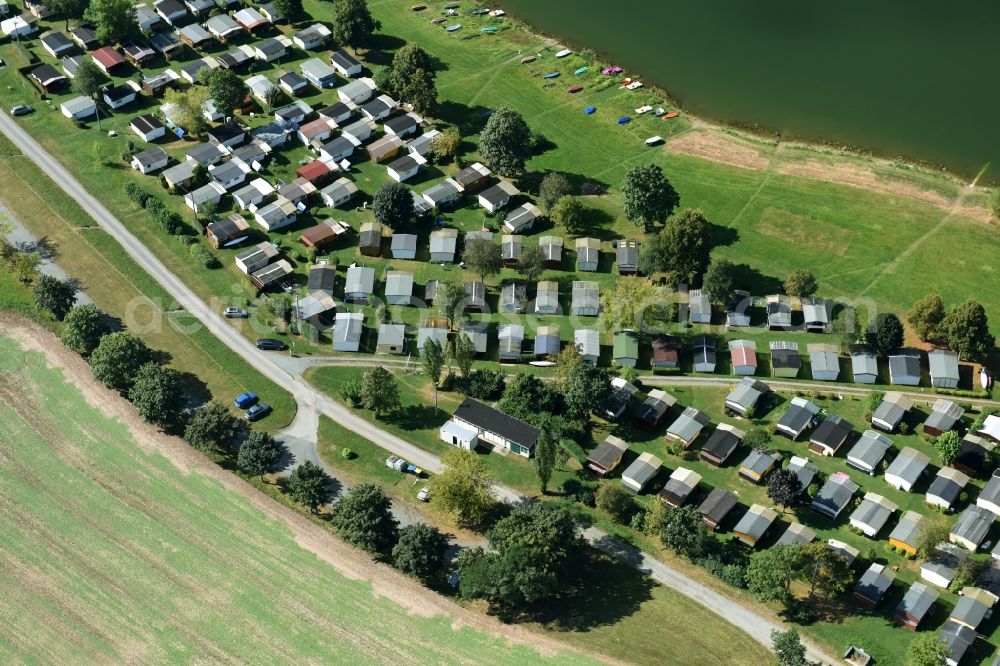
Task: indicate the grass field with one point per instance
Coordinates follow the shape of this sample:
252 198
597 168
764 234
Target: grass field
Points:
118 286
112 552
860 243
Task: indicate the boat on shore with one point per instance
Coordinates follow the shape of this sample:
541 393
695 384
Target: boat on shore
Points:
552 75
563 53
574 89
580 71
668 116
526 59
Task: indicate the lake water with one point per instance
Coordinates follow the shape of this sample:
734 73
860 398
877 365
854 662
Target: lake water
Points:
916 79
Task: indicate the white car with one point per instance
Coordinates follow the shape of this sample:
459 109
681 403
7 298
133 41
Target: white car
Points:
424 495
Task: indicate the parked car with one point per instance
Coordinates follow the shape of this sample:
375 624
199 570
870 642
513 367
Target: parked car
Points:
424 495
258 411
21 110
236 313
270 344
400 465
244 400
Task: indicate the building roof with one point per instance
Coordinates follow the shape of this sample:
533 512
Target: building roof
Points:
907 530
398 283
875 582
687 426
608 453
893 407
666 348
835 494
870 448
908 465
627 254
944 415
392 335
348 327
816 311
344 59
785 354
586 294
743 352
873 512
404 242
947 484
973 525
904 363
849 553
944 561
797 533
747 393
148 158
722 442
626 344
805 470
958 638
493 420
759 461
321 277
681 484
499 193
756 521
655 406
832 432
917 601
798 416
973 606
360 279
863 362
643 468
718 503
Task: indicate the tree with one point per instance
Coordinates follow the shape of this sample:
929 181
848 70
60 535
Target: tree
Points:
116 360
445 145
680 250
83 328
784 487
70 9
225 88
587 388
545 457
420 551
89 79
554 186
353 23
569 213
966 329
308 484
465 487
212 428
156 394
483 257
719 280
825 571
544 534
926 316
788 648
526 396
463 353
648 195
55 295
411 77
505 142
531 265
258 454
685 534
432 358
448 298
114 20
933 530
947 445
290 9
567 361
393 206
801 283
886 334
615 501
363 517
623 306
927 649
379 391
24 265
189 108
757 438
770 572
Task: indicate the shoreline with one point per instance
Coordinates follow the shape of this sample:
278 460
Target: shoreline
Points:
747 130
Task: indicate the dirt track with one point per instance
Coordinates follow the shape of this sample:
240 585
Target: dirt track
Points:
348 561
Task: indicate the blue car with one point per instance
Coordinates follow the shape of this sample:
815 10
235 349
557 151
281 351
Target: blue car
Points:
244 400
258 411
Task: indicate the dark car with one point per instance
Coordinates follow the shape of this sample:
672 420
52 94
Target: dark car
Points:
270 344
244 400
21 110
258 411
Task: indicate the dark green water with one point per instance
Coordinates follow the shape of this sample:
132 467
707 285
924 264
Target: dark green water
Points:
917 79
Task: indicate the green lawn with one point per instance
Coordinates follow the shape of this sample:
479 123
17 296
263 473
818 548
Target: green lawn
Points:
125 291
113 552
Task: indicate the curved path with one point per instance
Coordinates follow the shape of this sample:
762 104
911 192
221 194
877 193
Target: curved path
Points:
307 399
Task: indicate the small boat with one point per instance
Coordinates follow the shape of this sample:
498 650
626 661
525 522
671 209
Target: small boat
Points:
498 12
489 28
654 140
453 27
563 53
589 110
580 71
542 364
574 89
482 11
643 109
526 59
672 114
418 8
624 119
453 5
552 75
613 69
438 21
635 85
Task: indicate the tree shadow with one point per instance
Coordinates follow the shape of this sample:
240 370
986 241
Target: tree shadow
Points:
44 247
418 417
468 119
752 280
720 235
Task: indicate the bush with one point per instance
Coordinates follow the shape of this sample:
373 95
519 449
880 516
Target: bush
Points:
616 502
735 575
583 492
904 428
204 257
137 194
485 384
350 392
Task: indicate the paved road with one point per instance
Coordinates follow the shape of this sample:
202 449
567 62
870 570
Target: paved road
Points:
308 400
